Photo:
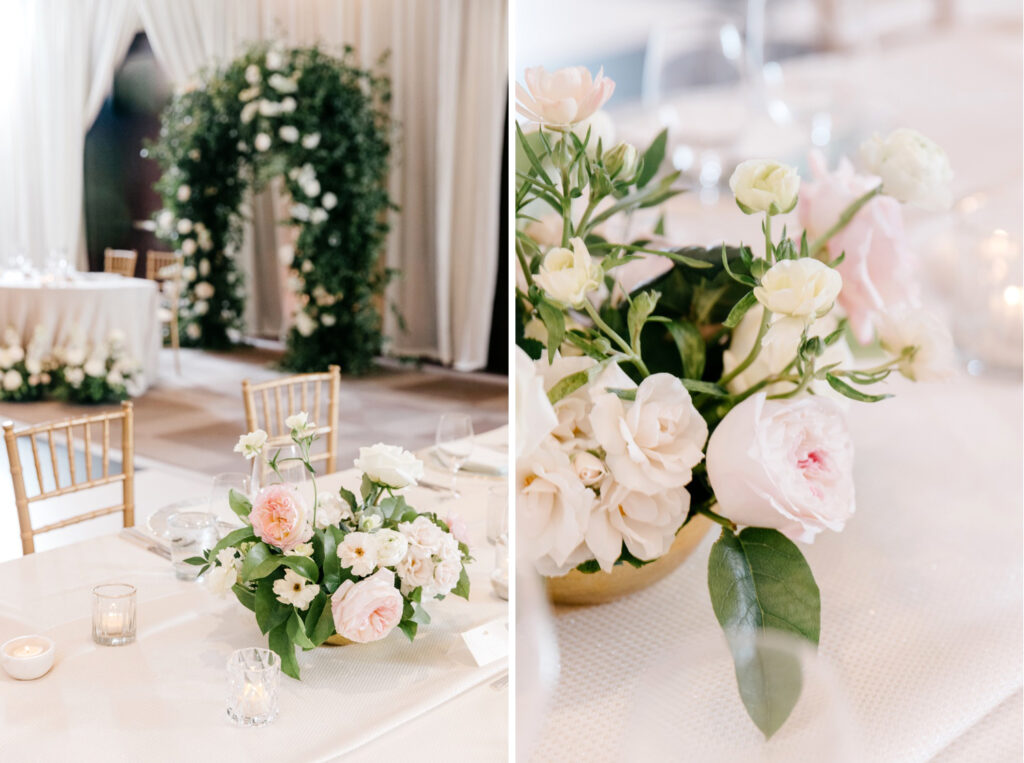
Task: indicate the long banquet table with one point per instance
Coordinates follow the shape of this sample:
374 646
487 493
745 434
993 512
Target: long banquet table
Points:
163 697
91 306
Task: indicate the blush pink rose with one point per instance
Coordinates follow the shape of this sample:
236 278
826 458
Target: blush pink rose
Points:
784 464
279 517
878 270
368 610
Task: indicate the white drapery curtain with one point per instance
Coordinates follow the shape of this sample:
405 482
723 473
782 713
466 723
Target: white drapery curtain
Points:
59 59
448 66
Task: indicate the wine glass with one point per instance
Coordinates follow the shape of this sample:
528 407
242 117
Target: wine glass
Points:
454 442
292 472
220 493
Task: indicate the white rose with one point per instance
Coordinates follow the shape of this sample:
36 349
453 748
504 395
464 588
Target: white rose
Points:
304 324
914 169
446 577
783 464
300 212
203 290
299 424
553 509
289 133
804 289
184 193
253 74
535 417
262 142
358 551
647 524
567 276
164 220
652 443
288 105
267 109
188 247
763 185
392 546
563 97
311 141
192 331
921 341
251 445
184 226
327 319
33 365
416 569
95 367
15 353
12 380
311 187
282 84
389 465
329 201
423 533
331 510
589 468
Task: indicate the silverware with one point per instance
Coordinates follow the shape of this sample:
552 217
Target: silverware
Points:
500 682
140 539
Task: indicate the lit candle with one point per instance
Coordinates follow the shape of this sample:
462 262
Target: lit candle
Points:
27 649
27 657
255 701
113 622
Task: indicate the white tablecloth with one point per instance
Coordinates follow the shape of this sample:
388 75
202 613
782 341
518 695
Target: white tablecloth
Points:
163 698
94 305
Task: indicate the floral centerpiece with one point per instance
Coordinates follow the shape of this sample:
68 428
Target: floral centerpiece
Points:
345 569
714 391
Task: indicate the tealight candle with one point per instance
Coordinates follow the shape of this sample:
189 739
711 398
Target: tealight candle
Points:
253 678
27 657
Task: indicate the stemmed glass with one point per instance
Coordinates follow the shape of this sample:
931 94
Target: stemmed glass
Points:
454 442
220 494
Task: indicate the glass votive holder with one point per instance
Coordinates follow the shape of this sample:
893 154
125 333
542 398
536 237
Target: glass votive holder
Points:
497 512
190 533
499 575
113 614
254 675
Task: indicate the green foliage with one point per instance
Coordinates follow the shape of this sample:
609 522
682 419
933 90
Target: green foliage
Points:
208 143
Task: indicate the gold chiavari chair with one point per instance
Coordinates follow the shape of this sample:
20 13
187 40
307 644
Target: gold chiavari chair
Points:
76 482
165 268
120 261
268 404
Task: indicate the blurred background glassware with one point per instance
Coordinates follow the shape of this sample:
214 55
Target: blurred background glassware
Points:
292 470
219 504
254 678
454 441
537 660
497 512
687 675
190 533
59 266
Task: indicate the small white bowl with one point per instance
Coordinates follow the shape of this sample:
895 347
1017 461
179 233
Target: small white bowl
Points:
27 668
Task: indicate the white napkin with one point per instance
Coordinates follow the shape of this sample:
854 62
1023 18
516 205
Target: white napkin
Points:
484 460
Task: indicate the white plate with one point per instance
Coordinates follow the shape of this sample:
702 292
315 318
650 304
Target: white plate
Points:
157 522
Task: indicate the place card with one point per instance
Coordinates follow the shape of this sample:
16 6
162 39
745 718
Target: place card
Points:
488 642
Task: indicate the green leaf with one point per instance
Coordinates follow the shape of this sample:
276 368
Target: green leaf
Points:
567 385
641 309
554 322
854 394
758 580
348 497
366 487
239 503
691 346
269 611
196 560
704 388
233 538
261 561
332 564
280 642
528 151
420 615
408 627
462 587
739 310
623 394
297 631
246 597
323 626
652 159
739 277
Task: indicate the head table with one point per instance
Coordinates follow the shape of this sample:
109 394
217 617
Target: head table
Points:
89 308
163 697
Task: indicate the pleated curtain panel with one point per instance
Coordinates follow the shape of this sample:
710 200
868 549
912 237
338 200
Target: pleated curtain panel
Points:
449 78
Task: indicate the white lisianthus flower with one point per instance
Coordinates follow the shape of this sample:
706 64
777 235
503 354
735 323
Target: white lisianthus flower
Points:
188 273
318 216
392 546
73 376
783 464
164 220
253 74
299 424
184 193
251 445
921 341
358 552
301 549
311 141
763 185
329 201
289 133
188 247
304 324
327 319
12 380
652 443
331 510
389 465
193 332
914 169
295 590
262 142
567 276
564 97
184 226
249 112
804 289
95 367
203 290
300 212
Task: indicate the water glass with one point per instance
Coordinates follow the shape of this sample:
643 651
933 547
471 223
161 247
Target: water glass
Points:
497 512
254 675
113 614
499 575
223 484
454 442
289 466
190 533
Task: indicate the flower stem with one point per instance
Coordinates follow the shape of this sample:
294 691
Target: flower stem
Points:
768 249
632 356
844 219
522 264
718 519
752 355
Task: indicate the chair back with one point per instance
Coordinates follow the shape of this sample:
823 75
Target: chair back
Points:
163 266
120 261
49 434
268 404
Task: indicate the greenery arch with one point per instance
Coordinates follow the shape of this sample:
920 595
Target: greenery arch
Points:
322 123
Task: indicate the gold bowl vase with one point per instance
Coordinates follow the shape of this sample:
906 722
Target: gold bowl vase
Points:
336 640
600 587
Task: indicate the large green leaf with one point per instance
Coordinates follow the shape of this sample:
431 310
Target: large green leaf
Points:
639 311
239 503
233 538
280 642
690 344
759 580
297 631
261 561
653 157
269 611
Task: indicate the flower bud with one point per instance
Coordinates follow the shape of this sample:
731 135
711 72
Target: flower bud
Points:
622 161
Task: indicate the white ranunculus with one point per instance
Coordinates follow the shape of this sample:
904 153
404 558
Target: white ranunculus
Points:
311 188
249 112
647 524
311 141
553 509
300 212
201 307
253 74
922 342
12 380
299 424
329 201
188 247
589 468
95 367
219 579
358 552
535 417
188 273
567 276
267 109
914 169
653 442
204 267
282 84
424 534
262 142
165 220
564 97
73 376
295 590
389 465
783 464
416 569
288 105
327 319
804 289
763 185
392 546
331 510
289 133
184 226
318 216
304 324
251 445
203 290
193 331
184 193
